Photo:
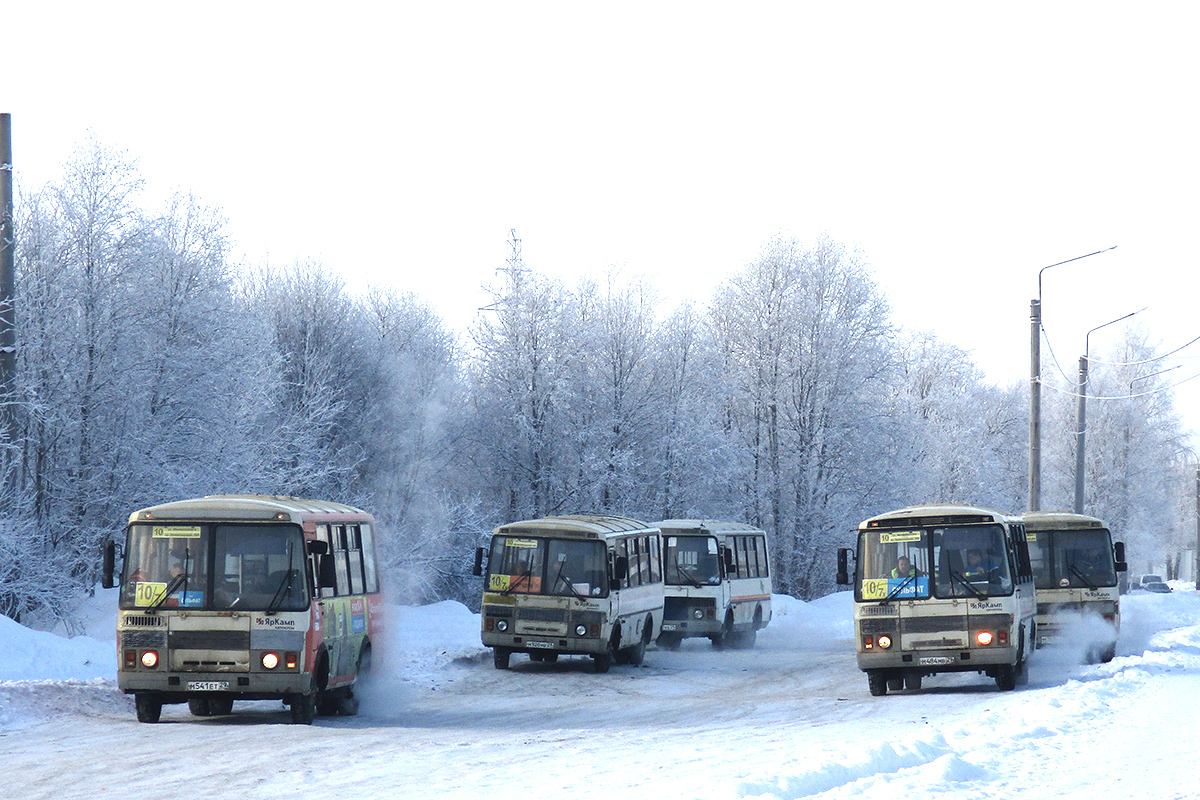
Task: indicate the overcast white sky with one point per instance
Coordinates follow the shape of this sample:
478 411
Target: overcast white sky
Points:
960 146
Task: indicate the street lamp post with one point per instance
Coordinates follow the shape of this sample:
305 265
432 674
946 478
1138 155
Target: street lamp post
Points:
1081 411
1035 386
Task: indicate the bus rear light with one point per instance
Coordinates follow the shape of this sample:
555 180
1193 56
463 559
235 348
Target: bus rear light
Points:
270 660
884 642
291 660
984 638
150 659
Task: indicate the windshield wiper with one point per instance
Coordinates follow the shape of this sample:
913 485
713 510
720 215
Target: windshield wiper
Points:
176 582
566 580
966 583
899 588
524 576
1082 577
687 575
285 585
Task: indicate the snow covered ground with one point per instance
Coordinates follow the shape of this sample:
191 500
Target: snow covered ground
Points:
790 719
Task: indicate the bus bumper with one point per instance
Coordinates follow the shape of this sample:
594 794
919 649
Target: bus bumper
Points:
943 660
563 645
178 687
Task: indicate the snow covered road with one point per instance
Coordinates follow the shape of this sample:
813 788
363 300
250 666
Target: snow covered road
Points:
790 719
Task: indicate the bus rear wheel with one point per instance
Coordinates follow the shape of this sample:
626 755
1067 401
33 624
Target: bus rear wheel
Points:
149 708
200 707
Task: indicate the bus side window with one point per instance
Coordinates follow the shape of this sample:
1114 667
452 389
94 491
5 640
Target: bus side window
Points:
743 558
655 551
356 566
368 553
760 544
340 560
621 551
635 561
322 536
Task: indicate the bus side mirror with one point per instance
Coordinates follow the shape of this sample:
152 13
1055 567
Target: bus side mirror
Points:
843 570
326 575
316 547
1119 552
478 568
110 565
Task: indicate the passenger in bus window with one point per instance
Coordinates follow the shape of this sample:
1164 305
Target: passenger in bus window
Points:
904 568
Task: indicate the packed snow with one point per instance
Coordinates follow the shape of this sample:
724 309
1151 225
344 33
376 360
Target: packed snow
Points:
789 719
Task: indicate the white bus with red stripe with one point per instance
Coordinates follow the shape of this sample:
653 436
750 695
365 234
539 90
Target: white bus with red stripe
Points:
246 597
717 581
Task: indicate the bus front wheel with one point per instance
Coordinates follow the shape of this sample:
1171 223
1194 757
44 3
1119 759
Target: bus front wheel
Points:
500 656
304 708
877 683
149 708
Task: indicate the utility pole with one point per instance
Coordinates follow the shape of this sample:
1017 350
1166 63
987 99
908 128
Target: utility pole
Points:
1081 415
8 319
1035 404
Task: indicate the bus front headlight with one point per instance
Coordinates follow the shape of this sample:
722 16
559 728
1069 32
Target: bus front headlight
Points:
270 660
698 613
884 642
150 659
984 638
502 625
581 630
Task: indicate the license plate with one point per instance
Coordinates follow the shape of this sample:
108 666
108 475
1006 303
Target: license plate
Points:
936 661
208 686
668 627
540 645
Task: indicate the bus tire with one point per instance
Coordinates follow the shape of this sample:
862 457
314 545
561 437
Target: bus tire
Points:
877 682
200 707
149 707
719 639
1006 677
603 662
1109 653
637 654
304 708
500 656
912 681
669 641
221 706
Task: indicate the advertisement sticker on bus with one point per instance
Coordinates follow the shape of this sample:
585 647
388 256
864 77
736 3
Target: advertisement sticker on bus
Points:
895 588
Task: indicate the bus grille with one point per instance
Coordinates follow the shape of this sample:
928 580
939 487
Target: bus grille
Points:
210 640
145 621
679 608
542 614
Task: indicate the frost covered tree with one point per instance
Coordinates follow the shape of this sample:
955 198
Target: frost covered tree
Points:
806 337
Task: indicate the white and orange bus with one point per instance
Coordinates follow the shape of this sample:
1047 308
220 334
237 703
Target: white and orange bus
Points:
246 597
717 582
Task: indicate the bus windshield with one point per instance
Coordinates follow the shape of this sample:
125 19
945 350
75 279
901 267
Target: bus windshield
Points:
562 567
258 567
692 561
972 561
1072 559
893 564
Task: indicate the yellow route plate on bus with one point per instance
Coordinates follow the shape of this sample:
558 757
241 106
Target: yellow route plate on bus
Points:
499 583
900 536
874 588
521 543
147 593
176 532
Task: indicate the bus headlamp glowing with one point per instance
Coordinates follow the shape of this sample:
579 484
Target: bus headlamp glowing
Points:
502 625
884 642
150 659
270 660
581 630
984 638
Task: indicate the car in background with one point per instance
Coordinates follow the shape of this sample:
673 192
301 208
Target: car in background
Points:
1157 587
1144 581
